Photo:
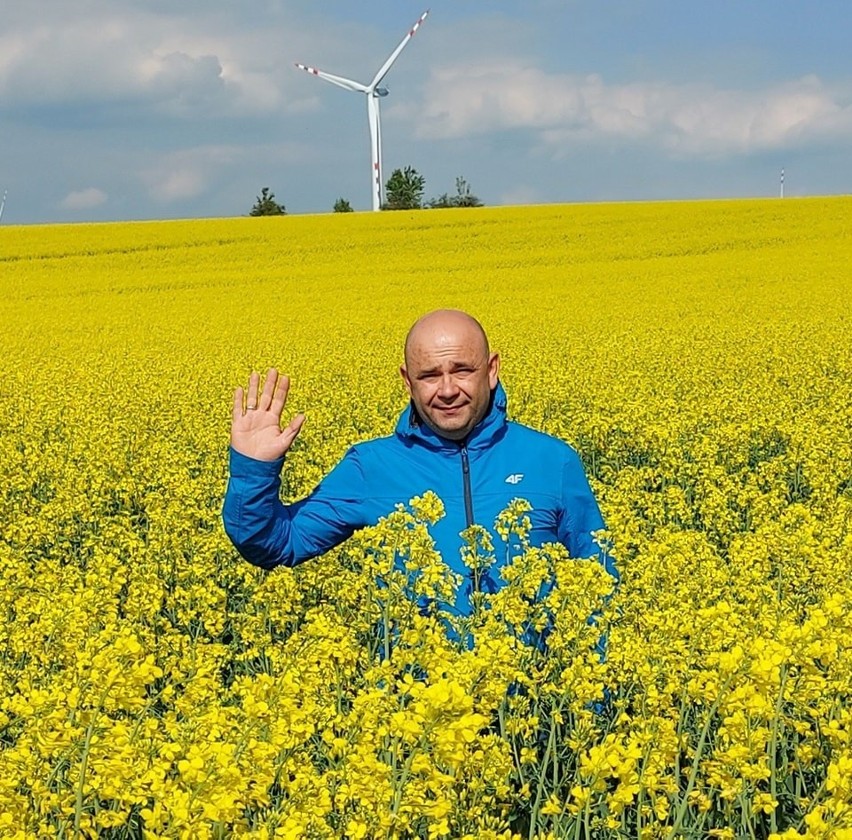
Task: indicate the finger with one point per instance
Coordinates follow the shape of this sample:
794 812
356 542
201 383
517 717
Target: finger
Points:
290 433
238 404
251 400
280 397
268 390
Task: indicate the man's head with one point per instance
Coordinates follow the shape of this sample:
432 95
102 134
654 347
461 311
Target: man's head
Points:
449 371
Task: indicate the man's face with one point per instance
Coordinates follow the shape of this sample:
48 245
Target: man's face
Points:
449 375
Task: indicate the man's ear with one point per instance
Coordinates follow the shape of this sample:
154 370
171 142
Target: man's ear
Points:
405 378
493 370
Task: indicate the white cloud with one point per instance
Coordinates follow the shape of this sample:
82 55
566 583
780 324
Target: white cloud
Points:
179 81
84 199
186 173
178 61
685 119
189 173
177 185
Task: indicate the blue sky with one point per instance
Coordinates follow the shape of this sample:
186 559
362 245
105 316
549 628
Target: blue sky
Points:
111 109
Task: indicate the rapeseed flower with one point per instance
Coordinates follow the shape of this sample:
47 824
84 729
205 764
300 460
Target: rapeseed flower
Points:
153 683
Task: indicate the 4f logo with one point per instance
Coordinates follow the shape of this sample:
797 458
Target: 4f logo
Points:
515 478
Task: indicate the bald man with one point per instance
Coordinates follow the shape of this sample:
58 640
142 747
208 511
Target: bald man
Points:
453 438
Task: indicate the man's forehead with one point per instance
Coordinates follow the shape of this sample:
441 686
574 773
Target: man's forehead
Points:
447 354
444 332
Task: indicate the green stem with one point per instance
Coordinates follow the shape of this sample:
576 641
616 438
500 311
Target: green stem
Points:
814 799
773 788
693 773
386 629
84 761
406 772
541 777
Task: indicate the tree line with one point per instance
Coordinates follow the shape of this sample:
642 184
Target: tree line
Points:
403 191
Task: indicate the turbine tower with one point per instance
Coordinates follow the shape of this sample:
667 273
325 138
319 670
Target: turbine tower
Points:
373 93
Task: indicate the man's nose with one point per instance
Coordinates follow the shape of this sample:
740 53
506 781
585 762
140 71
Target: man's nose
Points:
448 387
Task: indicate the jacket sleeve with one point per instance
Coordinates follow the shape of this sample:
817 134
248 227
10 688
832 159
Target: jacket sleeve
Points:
268 533
581 515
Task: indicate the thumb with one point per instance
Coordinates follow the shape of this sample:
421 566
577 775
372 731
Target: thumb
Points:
291 431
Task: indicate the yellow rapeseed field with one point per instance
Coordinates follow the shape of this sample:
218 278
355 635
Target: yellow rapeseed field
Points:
153 684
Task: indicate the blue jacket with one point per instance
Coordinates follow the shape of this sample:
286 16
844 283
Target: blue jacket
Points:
476 480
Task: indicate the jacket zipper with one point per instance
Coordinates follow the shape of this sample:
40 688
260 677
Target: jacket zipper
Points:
468 498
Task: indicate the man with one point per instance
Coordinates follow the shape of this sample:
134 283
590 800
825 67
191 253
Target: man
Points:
454 438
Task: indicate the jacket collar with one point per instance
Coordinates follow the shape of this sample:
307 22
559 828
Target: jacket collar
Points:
411 428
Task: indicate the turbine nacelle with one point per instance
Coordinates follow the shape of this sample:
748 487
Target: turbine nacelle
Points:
381 92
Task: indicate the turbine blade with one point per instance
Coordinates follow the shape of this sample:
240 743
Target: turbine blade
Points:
383 70
348 84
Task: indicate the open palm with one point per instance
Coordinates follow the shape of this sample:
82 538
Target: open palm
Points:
256 428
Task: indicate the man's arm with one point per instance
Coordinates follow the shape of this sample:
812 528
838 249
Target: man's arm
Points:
269 533
265 531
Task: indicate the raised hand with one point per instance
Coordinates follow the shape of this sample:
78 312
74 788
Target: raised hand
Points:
256 429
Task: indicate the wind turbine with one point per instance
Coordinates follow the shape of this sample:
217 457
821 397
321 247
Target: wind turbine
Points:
373 93
3 204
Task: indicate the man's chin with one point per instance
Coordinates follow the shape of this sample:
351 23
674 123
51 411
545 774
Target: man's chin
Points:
454 427
458 431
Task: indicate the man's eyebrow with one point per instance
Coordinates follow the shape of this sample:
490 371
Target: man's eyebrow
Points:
453 366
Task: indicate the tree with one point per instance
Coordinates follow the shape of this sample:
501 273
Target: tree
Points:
462 198
266 205
342 206
404 190
439 203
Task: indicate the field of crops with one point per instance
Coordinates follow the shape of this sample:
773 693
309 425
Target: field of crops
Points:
153 684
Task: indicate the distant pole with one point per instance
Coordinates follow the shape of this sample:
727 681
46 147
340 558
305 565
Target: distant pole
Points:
782 183
3 204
